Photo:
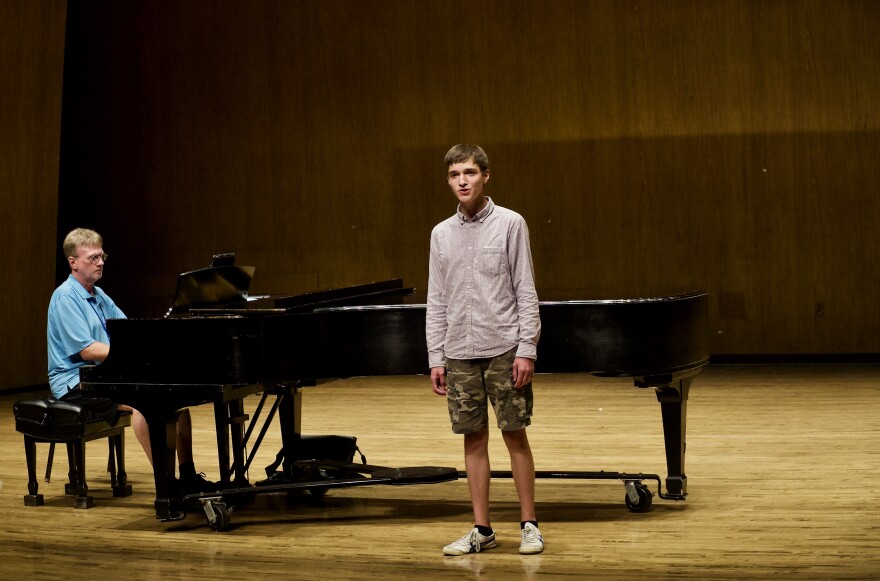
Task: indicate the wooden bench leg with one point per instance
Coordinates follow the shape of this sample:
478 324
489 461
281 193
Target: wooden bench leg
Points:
77 459
116 466
33 498
70 486
49 462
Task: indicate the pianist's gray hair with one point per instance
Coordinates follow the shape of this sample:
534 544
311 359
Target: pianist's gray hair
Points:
80 237
465 152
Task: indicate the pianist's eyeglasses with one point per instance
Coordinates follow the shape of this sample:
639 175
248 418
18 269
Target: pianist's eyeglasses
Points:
94 258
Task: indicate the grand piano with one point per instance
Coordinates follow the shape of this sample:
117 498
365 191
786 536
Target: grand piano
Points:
219 352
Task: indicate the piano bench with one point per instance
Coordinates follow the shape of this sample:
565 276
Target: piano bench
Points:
48 420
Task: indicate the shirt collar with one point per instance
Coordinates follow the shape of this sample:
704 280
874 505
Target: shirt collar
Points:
481 215
80 289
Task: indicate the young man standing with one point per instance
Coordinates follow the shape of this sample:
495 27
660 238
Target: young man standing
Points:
482 333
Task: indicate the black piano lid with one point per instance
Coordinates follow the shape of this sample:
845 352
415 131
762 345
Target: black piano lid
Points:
383 292
646 337
635 301
662 299
637 337
615 337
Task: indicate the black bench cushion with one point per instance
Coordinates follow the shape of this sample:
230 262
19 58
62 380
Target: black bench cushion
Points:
51 419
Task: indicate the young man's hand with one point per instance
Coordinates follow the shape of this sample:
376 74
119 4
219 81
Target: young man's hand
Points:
438 380
523 370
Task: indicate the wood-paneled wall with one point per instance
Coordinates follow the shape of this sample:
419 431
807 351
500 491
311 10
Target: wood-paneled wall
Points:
31 61
652 146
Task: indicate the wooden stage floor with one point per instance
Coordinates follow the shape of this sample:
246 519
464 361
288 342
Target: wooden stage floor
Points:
782 466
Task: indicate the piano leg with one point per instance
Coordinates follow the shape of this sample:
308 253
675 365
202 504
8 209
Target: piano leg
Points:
235 420
290 416
229 418
163 442
222 413
673 407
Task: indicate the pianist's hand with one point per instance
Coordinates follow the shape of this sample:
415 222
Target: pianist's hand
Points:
438 380
523 370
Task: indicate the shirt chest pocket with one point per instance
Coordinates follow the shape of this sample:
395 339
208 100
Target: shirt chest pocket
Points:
491 261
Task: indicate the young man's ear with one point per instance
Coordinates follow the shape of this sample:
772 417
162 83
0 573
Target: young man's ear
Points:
486 176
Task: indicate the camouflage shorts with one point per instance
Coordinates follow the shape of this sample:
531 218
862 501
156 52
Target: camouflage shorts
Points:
471 382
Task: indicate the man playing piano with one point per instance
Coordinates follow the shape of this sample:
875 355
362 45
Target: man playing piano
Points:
482 333
77 336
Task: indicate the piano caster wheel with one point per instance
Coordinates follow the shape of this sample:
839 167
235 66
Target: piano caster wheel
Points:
218 515
638 497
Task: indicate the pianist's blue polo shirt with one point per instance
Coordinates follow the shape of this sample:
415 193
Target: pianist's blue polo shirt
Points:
76 320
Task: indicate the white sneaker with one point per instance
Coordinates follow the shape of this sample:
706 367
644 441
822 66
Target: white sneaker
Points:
532 541
472 542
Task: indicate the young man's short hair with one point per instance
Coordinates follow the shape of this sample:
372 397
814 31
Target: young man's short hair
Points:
465 152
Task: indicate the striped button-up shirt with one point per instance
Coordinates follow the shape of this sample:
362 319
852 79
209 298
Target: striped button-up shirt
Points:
481 288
